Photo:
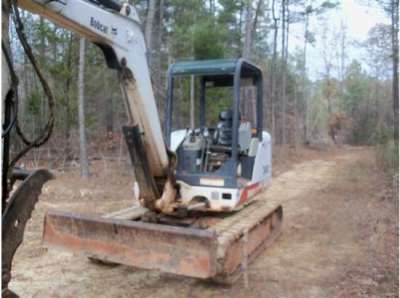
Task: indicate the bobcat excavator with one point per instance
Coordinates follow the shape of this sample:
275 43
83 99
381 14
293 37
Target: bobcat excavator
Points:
201 210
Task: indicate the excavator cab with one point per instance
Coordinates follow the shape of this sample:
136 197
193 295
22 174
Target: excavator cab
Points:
219 151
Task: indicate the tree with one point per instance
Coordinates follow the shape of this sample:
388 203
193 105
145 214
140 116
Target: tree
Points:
356 105
81 105
273 73
248 95
231 17
391 7
190 29
284 54
379 50
329 53
310 10
248 31
148 31
342 37
395 53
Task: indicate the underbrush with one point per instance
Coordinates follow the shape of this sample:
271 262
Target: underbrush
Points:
387 154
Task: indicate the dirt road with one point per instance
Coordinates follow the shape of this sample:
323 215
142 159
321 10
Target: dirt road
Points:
339 239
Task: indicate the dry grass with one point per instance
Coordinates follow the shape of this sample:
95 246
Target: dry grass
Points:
339 239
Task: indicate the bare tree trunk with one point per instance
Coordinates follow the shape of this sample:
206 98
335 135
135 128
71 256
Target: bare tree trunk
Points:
192 101
81 107
239 49
395 46
274 97
304 88
248 102
212 7
42 60
342 56
283 74
259 8
42 49
246 95
248 30
153 35
296 116
327 59
108 99
67 91
291 105
158 81
148 30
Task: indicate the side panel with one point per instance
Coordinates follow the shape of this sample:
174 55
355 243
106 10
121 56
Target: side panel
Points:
177 138
262 171
213 194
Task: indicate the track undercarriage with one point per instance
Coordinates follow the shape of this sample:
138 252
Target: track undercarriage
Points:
206 246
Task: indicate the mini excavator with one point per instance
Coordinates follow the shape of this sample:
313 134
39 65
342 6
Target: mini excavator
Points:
201 209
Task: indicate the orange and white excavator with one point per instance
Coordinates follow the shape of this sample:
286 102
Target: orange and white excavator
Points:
201 208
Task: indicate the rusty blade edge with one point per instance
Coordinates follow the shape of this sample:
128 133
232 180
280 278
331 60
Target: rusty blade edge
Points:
183 251
182 231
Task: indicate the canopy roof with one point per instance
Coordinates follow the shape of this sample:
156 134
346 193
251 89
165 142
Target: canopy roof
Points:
214 67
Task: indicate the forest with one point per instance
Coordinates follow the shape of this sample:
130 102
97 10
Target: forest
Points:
215 206
349 92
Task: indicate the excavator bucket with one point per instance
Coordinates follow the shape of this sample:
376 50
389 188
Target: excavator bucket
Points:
216 248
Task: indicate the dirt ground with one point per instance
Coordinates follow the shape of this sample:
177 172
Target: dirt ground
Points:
339 237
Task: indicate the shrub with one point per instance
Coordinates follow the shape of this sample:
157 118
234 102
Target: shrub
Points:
387 153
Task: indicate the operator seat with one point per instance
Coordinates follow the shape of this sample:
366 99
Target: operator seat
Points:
224 128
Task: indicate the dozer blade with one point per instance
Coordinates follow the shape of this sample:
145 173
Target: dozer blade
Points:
171 249
218 252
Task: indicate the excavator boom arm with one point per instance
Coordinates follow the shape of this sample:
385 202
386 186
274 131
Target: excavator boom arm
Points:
119 35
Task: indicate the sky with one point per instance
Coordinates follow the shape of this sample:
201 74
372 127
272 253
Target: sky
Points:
360 18
354 14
